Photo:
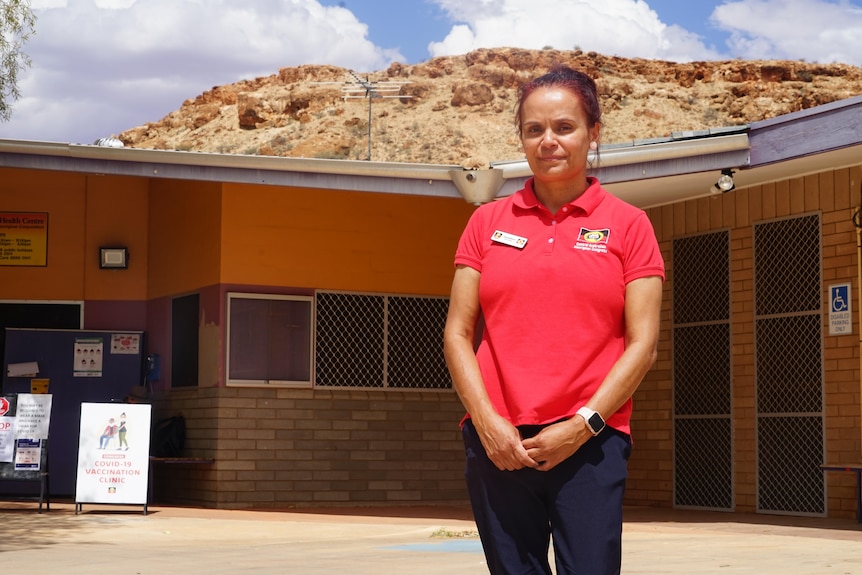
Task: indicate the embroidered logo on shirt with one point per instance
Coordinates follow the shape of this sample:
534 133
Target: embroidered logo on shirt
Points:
593 240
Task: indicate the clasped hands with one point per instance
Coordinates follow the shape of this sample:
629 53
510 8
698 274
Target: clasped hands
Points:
544 451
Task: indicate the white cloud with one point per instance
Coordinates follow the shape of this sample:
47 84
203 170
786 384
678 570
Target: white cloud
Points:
823 31
103 66
618 27
812 30
121 63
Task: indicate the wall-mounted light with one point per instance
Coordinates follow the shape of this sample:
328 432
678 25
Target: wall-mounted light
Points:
478 186
724 182
113 258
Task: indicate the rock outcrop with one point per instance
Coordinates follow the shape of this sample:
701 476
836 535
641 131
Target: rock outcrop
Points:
459 109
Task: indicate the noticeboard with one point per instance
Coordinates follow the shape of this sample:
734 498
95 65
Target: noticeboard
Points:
24 422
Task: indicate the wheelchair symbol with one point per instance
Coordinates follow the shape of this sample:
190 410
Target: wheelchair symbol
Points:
838 303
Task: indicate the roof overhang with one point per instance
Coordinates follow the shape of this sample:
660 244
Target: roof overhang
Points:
687 165
645 173
654 173
398 178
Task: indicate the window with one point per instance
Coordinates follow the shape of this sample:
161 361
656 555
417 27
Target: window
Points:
346 340
45 315
379 341
185 315
269 339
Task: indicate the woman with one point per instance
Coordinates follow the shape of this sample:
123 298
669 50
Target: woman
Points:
568 281
121 432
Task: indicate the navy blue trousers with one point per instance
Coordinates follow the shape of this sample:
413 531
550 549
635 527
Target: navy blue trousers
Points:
577 505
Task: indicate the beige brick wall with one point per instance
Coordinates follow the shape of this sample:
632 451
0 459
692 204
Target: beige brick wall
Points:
835 194
279 448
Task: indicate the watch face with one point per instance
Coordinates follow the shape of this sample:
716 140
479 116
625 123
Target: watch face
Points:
596 423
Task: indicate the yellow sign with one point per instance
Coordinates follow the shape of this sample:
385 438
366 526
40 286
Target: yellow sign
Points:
23 239
39 385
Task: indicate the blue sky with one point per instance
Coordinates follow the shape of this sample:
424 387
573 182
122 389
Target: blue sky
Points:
388 21
101 67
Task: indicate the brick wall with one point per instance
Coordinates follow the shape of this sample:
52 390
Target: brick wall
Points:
835 194
284 447
279 448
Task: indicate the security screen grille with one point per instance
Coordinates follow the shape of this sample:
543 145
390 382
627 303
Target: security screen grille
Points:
788 366
415 337
703 450
380 341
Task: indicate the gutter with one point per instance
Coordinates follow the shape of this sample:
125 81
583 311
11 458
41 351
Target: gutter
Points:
643 152
687 152
208 159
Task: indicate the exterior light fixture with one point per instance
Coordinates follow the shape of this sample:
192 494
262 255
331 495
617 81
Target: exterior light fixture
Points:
478 186
113 258
725 181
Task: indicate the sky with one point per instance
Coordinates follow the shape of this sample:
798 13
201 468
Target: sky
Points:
100 67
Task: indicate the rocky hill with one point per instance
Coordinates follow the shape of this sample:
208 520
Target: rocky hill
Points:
459 109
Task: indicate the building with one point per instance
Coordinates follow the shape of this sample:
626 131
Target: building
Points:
347 265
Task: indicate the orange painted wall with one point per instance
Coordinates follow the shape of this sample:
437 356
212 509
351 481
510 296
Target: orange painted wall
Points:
117 212
340 240
62 197
184 236
83 211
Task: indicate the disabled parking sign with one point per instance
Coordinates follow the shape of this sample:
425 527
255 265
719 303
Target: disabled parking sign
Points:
840 312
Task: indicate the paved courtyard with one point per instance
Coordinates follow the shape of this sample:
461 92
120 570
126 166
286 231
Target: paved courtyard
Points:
410 541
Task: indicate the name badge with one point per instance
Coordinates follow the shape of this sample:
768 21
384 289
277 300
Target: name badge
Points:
509 239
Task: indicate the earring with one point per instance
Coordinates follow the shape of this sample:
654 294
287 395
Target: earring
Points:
594 145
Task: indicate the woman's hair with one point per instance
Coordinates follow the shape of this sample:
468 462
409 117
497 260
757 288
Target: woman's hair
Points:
561 76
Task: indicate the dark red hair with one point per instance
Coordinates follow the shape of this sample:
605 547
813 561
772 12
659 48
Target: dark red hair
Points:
575 81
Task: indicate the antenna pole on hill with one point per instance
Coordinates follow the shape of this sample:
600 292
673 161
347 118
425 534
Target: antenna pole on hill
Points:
359 88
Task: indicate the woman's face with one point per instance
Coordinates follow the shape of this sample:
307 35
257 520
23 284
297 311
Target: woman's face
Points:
556 135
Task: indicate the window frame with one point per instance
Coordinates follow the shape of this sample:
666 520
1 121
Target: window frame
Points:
301 384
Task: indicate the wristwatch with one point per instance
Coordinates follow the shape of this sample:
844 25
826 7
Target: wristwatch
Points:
595 422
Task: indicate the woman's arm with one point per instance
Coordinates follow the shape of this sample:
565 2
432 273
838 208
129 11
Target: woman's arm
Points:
500 438
642 313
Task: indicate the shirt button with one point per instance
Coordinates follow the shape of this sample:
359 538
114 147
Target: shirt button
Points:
565 208
550 240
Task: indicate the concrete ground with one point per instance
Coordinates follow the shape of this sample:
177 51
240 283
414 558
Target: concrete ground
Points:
411 541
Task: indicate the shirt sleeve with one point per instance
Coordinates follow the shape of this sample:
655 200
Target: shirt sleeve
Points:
471 246
643 256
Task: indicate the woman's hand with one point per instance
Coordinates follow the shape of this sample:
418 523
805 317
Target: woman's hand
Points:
557 442
501 439
502 443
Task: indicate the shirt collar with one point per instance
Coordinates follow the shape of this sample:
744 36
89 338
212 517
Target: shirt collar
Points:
585 203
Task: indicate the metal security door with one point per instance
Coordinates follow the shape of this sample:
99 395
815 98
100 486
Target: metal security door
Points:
789 366
703 434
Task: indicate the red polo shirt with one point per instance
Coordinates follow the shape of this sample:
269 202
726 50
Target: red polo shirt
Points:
552 292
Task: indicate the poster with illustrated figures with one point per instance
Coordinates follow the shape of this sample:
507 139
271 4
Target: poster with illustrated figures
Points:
113 453
88 357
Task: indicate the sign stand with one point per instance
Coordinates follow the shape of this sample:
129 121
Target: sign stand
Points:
24 422
113 455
